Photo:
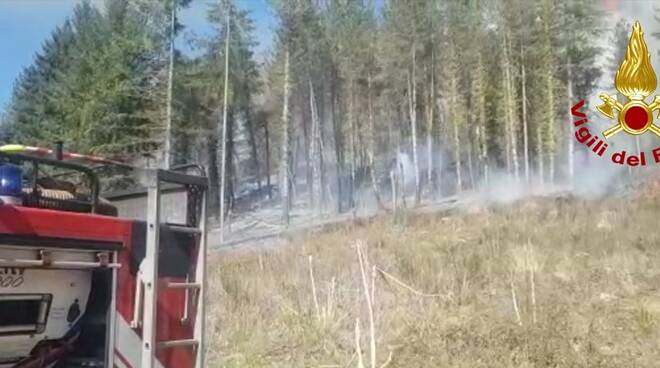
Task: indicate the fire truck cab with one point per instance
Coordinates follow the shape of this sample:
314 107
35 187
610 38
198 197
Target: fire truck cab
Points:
82 287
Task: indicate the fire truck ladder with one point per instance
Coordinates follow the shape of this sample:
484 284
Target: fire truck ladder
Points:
195 286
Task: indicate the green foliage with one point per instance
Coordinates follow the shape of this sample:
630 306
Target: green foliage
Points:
93 85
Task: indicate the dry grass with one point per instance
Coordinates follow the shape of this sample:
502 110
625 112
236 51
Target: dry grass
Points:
544 283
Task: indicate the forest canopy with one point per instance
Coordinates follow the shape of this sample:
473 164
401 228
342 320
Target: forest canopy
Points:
355 97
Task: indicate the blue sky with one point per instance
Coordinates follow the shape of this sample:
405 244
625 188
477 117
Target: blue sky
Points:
26 24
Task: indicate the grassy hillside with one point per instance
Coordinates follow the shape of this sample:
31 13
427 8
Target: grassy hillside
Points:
544 283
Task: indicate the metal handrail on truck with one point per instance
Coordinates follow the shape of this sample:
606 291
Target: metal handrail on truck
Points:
36 161
55 250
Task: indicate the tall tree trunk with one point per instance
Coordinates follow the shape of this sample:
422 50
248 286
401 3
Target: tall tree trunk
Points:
482 141
505 106
230 174
306 117
339 157
439 180
470 165
294 155
267 159
223 169
511 105
483 155
285 171
456 136
353 143
317 186
372 144
549 105
252 137
429 126
454 113
322 121
550 128
213 174
457 157
571 142
412 93
167 150
539 153
523 82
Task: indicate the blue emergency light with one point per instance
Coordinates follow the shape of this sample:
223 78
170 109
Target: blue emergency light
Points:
11 180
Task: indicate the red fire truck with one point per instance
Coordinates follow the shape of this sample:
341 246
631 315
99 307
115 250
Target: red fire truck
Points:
82 287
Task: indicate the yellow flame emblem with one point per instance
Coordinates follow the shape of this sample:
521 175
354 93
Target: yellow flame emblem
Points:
635 79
